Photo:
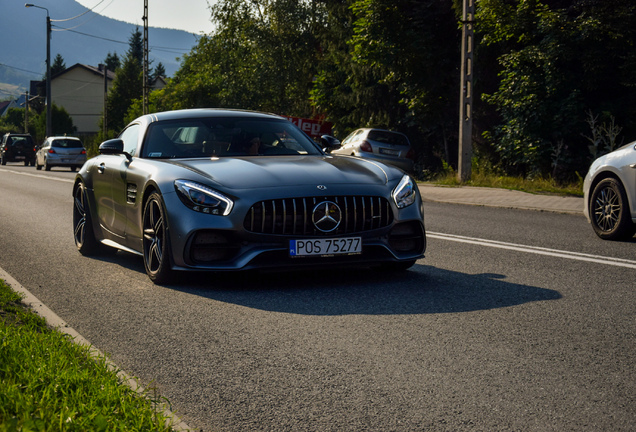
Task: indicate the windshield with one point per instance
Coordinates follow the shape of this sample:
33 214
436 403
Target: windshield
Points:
67 143
388 137
21 141
225 136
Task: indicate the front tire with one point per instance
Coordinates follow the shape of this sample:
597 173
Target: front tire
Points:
155 241
609 211
83 232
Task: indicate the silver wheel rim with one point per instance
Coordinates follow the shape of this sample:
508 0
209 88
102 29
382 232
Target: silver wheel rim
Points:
153 236
79 216
607 208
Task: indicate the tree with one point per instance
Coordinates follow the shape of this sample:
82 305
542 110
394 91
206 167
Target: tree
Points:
127 85
136 46
260 57
557 62
62 123
159 71
58 65
112 62
391 64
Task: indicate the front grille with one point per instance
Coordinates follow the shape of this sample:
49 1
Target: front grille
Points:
293 216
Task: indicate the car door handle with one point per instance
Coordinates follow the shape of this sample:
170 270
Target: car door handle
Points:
633 165
101 168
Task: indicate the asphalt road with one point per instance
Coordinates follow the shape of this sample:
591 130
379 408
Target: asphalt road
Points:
515 320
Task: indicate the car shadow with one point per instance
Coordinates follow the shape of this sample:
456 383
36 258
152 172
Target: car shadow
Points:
420 290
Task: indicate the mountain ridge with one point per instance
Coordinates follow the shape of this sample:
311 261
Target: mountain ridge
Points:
23 41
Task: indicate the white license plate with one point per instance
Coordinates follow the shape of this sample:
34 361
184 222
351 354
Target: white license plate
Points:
325 247
389 152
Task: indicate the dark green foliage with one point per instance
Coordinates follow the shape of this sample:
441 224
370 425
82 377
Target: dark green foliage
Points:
542 67
128 84
112 62
556 63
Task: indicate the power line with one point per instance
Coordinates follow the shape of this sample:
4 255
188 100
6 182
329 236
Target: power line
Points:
22 70
158 48
82 14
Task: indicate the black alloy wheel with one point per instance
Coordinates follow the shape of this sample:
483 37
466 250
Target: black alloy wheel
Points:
155 241
609 211
83 233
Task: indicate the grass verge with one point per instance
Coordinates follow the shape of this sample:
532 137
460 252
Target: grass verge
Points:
535 185
50 383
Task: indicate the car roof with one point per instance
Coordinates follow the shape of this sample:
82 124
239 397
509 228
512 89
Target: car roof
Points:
207 112
63 137
380 130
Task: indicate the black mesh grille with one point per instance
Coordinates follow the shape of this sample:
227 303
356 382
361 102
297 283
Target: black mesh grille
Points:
293 216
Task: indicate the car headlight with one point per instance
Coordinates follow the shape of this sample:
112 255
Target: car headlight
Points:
203 199
404 194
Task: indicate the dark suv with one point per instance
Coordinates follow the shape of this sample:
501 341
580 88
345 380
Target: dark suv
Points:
17 148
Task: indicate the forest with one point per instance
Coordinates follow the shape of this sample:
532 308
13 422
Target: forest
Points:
554 80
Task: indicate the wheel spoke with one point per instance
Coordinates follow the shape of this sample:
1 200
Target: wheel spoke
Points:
79 216
153 236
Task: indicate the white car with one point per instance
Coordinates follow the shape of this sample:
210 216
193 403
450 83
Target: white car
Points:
610 194
61 151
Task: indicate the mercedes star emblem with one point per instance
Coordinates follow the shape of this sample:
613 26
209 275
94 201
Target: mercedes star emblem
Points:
327 216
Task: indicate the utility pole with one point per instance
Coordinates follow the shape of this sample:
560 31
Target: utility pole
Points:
465 153
145 72
49 102
105 119
26 112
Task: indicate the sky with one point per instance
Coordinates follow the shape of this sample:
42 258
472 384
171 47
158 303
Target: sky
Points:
189 15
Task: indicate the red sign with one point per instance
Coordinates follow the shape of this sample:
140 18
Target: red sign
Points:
313 128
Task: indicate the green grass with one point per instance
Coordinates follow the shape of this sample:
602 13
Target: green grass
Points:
535 185
50 383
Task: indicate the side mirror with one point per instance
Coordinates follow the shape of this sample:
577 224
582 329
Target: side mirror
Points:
113 147
329 143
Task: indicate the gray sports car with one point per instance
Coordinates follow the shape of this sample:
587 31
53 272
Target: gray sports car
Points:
227 190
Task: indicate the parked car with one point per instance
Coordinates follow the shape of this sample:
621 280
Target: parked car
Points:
378 144
17 148
610 194
61 151
184 190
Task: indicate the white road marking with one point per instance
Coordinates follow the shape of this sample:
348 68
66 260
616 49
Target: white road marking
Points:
618 262
38 175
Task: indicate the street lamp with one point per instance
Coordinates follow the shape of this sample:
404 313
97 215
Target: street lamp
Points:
49 123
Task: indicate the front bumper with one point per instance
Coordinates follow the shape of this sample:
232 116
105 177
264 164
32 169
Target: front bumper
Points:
217 243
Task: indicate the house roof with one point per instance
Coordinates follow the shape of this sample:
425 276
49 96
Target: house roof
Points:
99 70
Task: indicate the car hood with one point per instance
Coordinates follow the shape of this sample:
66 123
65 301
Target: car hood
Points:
274 171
